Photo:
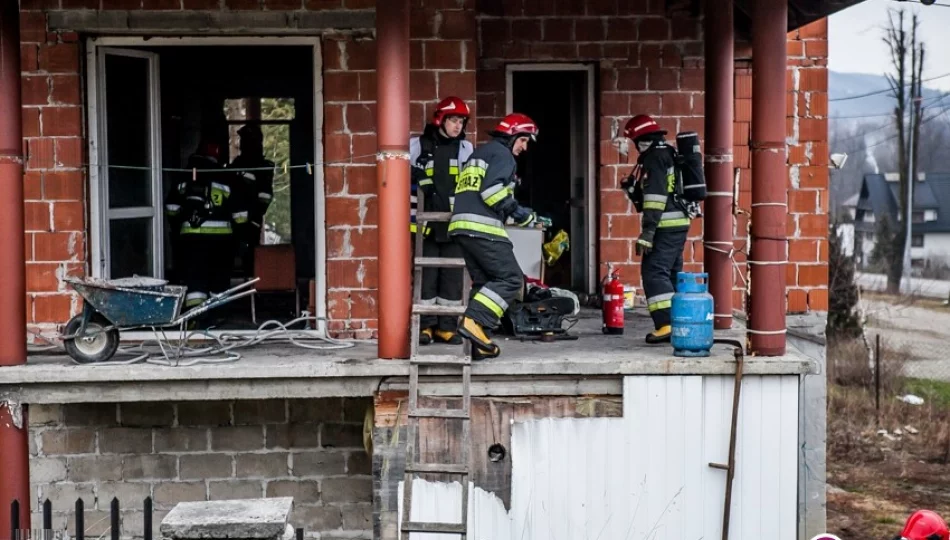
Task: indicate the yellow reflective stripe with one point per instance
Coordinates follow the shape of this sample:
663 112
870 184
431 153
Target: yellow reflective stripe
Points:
682 222
497 197
413 228
462 225
454 171
489 303
425 182
650 205
664 304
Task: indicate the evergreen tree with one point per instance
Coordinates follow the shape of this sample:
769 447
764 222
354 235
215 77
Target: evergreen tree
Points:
843 321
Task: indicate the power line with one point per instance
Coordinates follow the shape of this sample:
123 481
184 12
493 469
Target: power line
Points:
892 137
886 90
937 98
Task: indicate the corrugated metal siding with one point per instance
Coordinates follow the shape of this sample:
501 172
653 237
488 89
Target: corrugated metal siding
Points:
647 475
488 518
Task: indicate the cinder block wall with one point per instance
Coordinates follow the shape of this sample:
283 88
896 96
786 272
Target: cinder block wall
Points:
311 450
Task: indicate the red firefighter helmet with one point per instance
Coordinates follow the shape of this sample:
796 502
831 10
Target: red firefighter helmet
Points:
210 149
450 106
517 125
641 125
925 525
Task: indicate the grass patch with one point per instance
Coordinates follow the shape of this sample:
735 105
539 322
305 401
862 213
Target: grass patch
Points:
937 392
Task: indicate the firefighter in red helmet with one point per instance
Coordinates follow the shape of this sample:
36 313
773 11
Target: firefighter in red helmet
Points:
436 157
924 525
484 200
664 225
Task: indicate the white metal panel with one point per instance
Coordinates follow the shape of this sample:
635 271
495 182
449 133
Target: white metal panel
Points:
662 487
432 501
646 475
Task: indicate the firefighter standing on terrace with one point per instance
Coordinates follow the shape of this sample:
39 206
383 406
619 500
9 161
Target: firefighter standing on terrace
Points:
484 199
436 157
664 225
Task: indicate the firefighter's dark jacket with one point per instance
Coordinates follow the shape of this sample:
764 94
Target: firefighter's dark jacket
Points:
484 194
203 204
436 162
254 188
657 176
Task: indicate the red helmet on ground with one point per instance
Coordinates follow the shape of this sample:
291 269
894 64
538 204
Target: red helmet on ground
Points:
450 106
641 125
517 125
925 525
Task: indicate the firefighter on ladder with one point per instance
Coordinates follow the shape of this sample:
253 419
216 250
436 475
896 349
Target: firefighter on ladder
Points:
484 200
436 157
201 211
664 225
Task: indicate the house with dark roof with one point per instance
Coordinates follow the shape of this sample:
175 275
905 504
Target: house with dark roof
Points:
930 219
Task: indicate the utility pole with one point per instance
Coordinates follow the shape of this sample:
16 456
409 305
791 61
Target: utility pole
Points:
909 211
911 178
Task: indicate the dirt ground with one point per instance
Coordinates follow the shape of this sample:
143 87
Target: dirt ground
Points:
875 480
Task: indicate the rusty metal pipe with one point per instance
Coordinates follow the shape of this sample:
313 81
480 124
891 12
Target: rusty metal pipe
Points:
717 226
392 176
14 445
769 179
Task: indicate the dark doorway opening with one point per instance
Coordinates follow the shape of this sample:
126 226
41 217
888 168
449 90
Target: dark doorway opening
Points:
555 170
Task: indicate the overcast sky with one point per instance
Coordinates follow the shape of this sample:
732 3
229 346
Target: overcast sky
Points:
855 39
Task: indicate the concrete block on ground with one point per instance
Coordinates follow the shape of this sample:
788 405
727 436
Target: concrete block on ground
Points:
264 519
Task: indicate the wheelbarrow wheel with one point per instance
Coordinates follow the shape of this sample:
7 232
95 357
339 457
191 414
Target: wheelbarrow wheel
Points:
99 344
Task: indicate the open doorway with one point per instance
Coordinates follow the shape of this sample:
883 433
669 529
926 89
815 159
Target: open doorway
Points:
559 169
154 106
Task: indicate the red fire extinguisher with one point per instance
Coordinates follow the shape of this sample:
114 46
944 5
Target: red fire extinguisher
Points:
612 306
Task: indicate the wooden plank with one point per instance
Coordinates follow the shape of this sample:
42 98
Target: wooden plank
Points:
439 262
444 468
433 217
425 309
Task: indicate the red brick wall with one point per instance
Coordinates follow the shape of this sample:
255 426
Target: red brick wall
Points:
54 182
649 62
807 118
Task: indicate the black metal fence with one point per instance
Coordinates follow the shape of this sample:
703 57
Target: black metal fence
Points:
115 530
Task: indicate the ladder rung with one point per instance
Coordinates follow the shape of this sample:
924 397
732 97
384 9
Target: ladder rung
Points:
440 360
439 413
433 216
443 468
445 528
427 309
440 262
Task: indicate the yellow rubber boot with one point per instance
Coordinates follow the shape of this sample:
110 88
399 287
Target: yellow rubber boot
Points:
481 354
447 336
660 336
425 336
474 332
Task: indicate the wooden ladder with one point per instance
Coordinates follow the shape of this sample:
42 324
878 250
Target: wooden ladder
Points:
463 362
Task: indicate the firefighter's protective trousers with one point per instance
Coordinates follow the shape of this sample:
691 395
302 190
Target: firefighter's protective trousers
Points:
659 269
497 279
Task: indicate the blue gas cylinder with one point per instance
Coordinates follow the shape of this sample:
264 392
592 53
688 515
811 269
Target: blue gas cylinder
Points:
692 314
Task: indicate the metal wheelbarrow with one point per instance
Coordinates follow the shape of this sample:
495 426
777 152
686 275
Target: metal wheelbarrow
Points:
111 306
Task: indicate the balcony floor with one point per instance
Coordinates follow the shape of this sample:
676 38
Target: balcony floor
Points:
594 363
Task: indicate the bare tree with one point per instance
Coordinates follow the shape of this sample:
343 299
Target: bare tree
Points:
906 88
